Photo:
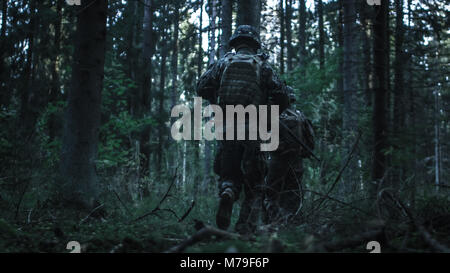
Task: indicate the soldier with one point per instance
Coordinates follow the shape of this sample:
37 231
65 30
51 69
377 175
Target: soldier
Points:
242 77
283 188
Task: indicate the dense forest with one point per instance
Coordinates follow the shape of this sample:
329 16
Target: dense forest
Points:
86 93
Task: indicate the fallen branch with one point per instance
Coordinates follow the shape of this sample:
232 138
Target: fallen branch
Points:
349 157
187 212
21 198
204 233
353 241
90 213
423 232
120 200
339 201
158 207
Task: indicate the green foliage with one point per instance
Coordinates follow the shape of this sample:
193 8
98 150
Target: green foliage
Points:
52 147
118 125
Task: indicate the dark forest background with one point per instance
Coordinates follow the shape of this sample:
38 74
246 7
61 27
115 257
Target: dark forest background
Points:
85 146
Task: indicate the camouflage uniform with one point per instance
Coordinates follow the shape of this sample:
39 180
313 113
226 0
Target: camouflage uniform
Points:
283 187
241 78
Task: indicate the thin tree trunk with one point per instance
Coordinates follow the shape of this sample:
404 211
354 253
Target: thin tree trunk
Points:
212 54
197 149
226 12
28 88
282 28
288 26
4 16
162 85
4 93
79 179
146 92
134 96
174 67
350 88
379 108
302 33
55 88
399 102
340 35
321 35
366 82
437 143
200 42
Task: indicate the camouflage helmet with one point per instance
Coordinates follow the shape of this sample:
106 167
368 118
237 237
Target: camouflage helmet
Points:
246 34
290 92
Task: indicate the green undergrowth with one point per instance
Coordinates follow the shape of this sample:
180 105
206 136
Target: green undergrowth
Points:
129 226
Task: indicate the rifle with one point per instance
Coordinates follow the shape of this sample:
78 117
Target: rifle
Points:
299 140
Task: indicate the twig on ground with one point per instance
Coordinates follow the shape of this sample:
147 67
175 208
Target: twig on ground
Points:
349 157
29 216
349 242
120 200
158 207
187 212
423 232
339 201
21 198
203 234
90 213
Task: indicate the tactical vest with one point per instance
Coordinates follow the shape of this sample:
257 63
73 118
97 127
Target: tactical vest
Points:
241 81
299 126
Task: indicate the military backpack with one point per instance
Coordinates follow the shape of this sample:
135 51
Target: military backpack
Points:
241 81
300 126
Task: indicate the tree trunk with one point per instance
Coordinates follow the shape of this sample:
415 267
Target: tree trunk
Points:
197 158
437 143
321 34
4 16
55 87
4 92
200 42
380 67
249 13
350 89
302 33
399 101
174 63
161 115
146 93
226 12
340 37
366 79
134 96
26 112
288 26
282 28
79 179
212 54
174 67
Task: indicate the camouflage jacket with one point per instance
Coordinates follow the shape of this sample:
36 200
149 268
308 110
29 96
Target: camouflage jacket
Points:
209 83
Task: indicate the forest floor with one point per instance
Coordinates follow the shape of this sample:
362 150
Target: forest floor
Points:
157 224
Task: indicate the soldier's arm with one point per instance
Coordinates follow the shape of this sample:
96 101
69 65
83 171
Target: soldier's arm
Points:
209 83
277 91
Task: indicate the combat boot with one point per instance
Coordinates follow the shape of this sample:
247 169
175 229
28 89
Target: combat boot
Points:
223 217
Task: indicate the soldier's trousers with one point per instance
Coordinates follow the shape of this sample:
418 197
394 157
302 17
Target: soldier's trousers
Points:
239 165
283 182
